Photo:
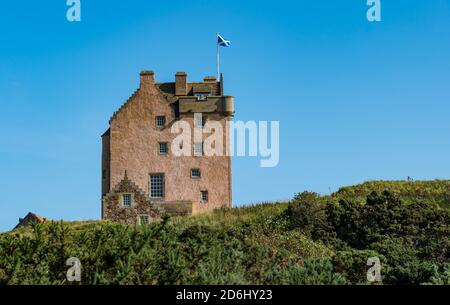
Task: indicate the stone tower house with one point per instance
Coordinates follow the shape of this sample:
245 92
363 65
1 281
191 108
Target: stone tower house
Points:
141 176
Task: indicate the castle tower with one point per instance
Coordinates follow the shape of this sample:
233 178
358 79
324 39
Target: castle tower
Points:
142 169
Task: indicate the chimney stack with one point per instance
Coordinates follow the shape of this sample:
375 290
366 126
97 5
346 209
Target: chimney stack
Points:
147 79
209 79
180 83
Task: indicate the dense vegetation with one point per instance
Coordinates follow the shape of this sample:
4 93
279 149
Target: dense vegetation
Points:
310 240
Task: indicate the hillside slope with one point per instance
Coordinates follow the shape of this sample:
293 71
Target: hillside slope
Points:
436 191
310 240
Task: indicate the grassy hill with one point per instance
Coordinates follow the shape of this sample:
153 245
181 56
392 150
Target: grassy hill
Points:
437 191
309 240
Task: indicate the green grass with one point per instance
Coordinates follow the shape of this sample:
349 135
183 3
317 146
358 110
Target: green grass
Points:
247 245
229 217
436 191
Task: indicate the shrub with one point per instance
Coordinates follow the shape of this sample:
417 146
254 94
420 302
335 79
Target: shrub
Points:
316 272
412 238
352 264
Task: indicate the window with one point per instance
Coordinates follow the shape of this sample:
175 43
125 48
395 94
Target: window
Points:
202 96
198 149
144 219
204 196
160 121
126 200
157 186
200 121
163 149
195 173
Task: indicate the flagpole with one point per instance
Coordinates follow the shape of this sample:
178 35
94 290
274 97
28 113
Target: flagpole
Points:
218 55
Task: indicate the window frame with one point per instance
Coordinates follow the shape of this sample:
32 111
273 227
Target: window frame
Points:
167 148
198 154
158 117
140 219
201 197
202 96
204 118
123 200
163 186
199 173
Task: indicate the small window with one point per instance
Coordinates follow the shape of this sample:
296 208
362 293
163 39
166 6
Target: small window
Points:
195 173
163 148
126 200
160 121
198 149
157 186
144 219
204 196
202 96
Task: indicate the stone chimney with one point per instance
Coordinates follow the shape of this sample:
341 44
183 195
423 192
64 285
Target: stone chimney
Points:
209 79
180 83
147 79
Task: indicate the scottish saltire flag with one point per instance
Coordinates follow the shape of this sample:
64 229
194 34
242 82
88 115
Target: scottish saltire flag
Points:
223 42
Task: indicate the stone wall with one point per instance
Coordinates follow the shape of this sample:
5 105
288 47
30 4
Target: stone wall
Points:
112 208
133 143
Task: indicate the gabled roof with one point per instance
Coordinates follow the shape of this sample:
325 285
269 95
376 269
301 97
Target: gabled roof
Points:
126 185
37 217
29 218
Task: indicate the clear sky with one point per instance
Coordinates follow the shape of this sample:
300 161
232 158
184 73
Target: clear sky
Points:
356 100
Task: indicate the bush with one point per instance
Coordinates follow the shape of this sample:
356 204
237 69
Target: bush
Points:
316 272
313 240
352 264
307 211
411 239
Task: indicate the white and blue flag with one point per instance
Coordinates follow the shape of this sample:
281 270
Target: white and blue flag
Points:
223 42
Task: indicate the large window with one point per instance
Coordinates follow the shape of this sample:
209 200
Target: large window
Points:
157 186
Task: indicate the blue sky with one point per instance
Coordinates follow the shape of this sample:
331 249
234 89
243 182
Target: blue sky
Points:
356 100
